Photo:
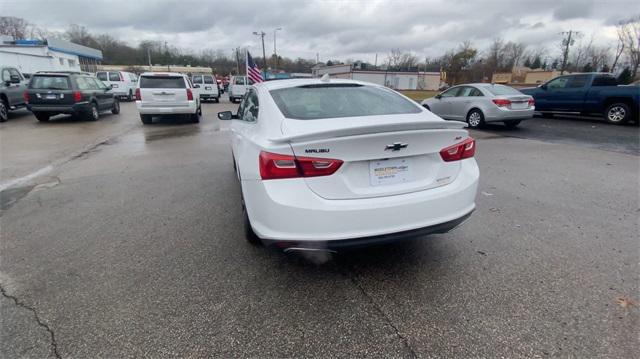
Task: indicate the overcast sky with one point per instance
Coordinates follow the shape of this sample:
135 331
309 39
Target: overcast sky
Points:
334 29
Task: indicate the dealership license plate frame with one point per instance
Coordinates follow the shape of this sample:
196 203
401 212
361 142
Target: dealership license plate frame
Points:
390 171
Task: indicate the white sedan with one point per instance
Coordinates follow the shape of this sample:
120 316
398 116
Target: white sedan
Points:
336 163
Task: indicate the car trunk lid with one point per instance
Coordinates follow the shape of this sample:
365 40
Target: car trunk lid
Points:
383 155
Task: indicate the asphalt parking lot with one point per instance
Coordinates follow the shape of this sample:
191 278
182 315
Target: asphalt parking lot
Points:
123 240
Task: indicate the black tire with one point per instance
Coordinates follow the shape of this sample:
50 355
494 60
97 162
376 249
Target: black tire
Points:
4 110
216 99
42 116
195 118
146 119
512 124
249 234
618 113
426 107
92 114
130 96
475 118
547 114
116 107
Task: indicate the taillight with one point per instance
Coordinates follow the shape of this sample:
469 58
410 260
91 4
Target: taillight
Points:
25 95
189 95
532 102
77 96
274 166
459 151
501 102
138 96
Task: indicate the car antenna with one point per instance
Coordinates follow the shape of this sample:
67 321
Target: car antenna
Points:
325 78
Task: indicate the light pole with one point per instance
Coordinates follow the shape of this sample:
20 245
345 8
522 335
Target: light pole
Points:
274 47
264 55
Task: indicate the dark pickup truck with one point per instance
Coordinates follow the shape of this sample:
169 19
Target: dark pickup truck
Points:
587 93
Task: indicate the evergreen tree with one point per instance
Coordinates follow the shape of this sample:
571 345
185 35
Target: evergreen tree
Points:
625 76
527 62
537 63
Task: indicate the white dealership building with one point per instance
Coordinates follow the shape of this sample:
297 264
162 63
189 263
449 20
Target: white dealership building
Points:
30 56
398 80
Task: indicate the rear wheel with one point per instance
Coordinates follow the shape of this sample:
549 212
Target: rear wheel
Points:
618 113
146 119
130 95
249 234
195 118
116 107
93 114
511 124
216 99
475 118
42 116
4 110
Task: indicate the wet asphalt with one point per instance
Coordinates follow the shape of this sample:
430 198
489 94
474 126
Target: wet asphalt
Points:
131 245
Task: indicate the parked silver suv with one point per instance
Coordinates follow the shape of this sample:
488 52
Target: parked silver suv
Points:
11 91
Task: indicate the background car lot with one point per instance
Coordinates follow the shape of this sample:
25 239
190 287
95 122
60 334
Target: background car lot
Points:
130 245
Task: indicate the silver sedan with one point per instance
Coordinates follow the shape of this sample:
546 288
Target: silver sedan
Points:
478 104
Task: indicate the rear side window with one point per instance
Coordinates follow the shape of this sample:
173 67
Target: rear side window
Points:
605 81
84 83
499 90
159 82
197 79
339 100
114 76
208 80
50 82
102 76
133 77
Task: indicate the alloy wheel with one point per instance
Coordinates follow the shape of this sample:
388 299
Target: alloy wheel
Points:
474 119
616 114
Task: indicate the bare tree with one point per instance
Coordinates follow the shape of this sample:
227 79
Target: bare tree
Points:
629 31
513 53
14 27
619 50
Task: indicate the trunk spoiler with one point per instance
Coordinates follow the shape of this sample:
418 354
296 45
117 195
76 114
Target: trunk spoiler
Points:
368 129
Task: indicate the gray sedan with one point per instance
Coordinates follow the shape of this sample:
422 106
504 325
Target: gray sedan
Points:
478 104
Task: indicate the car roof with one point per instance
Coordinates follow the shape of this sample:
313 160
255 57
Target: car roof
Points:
280 84
174 74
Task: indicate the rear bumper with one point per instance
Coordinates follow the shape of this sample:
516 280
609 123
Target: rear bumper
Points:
287 210
207 95
158 109
69 109
500 114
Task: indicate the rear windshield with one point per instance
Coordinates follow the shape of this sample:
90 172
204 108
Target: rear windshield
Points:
502 90
239 81
339 100
102 76
208 80
162 82
196 79
50 82
114 76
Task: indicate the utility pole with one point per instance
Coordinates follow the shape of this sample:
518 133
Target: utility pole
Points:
565 54
274 48
264 54
375 64
237 60
149 57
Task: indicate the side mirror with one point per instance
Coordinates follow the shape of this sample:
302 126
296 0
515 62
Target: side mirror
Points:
14 79
226 116
109 87
196 86
438 96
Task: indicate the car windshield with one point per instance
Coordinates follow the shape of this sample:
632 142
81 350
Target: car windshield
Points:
502 90
165 82
50 82
339 100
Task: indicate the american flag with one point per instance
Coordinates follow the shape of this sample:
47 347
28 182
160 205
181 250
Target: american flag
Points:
253 71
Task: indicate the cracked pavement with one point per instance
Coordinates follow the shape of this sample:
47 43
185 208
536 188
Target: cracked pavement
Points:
131 246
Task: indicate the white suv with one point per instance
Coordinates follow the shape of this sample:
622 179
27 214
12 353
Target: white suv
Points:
237 88
208 87
123 83
161 93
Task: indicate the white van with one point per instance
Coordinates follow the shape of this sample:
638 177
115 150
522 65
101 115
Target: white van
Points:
208 87
237 88
123 83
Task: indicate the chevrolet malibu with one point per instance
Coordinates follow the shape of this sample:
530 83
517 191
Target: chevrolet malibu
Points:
478 104
338 163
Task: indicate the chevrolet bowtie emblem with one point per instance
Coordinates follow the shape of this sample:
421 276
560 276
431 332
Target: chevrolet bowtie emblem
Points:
396 146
